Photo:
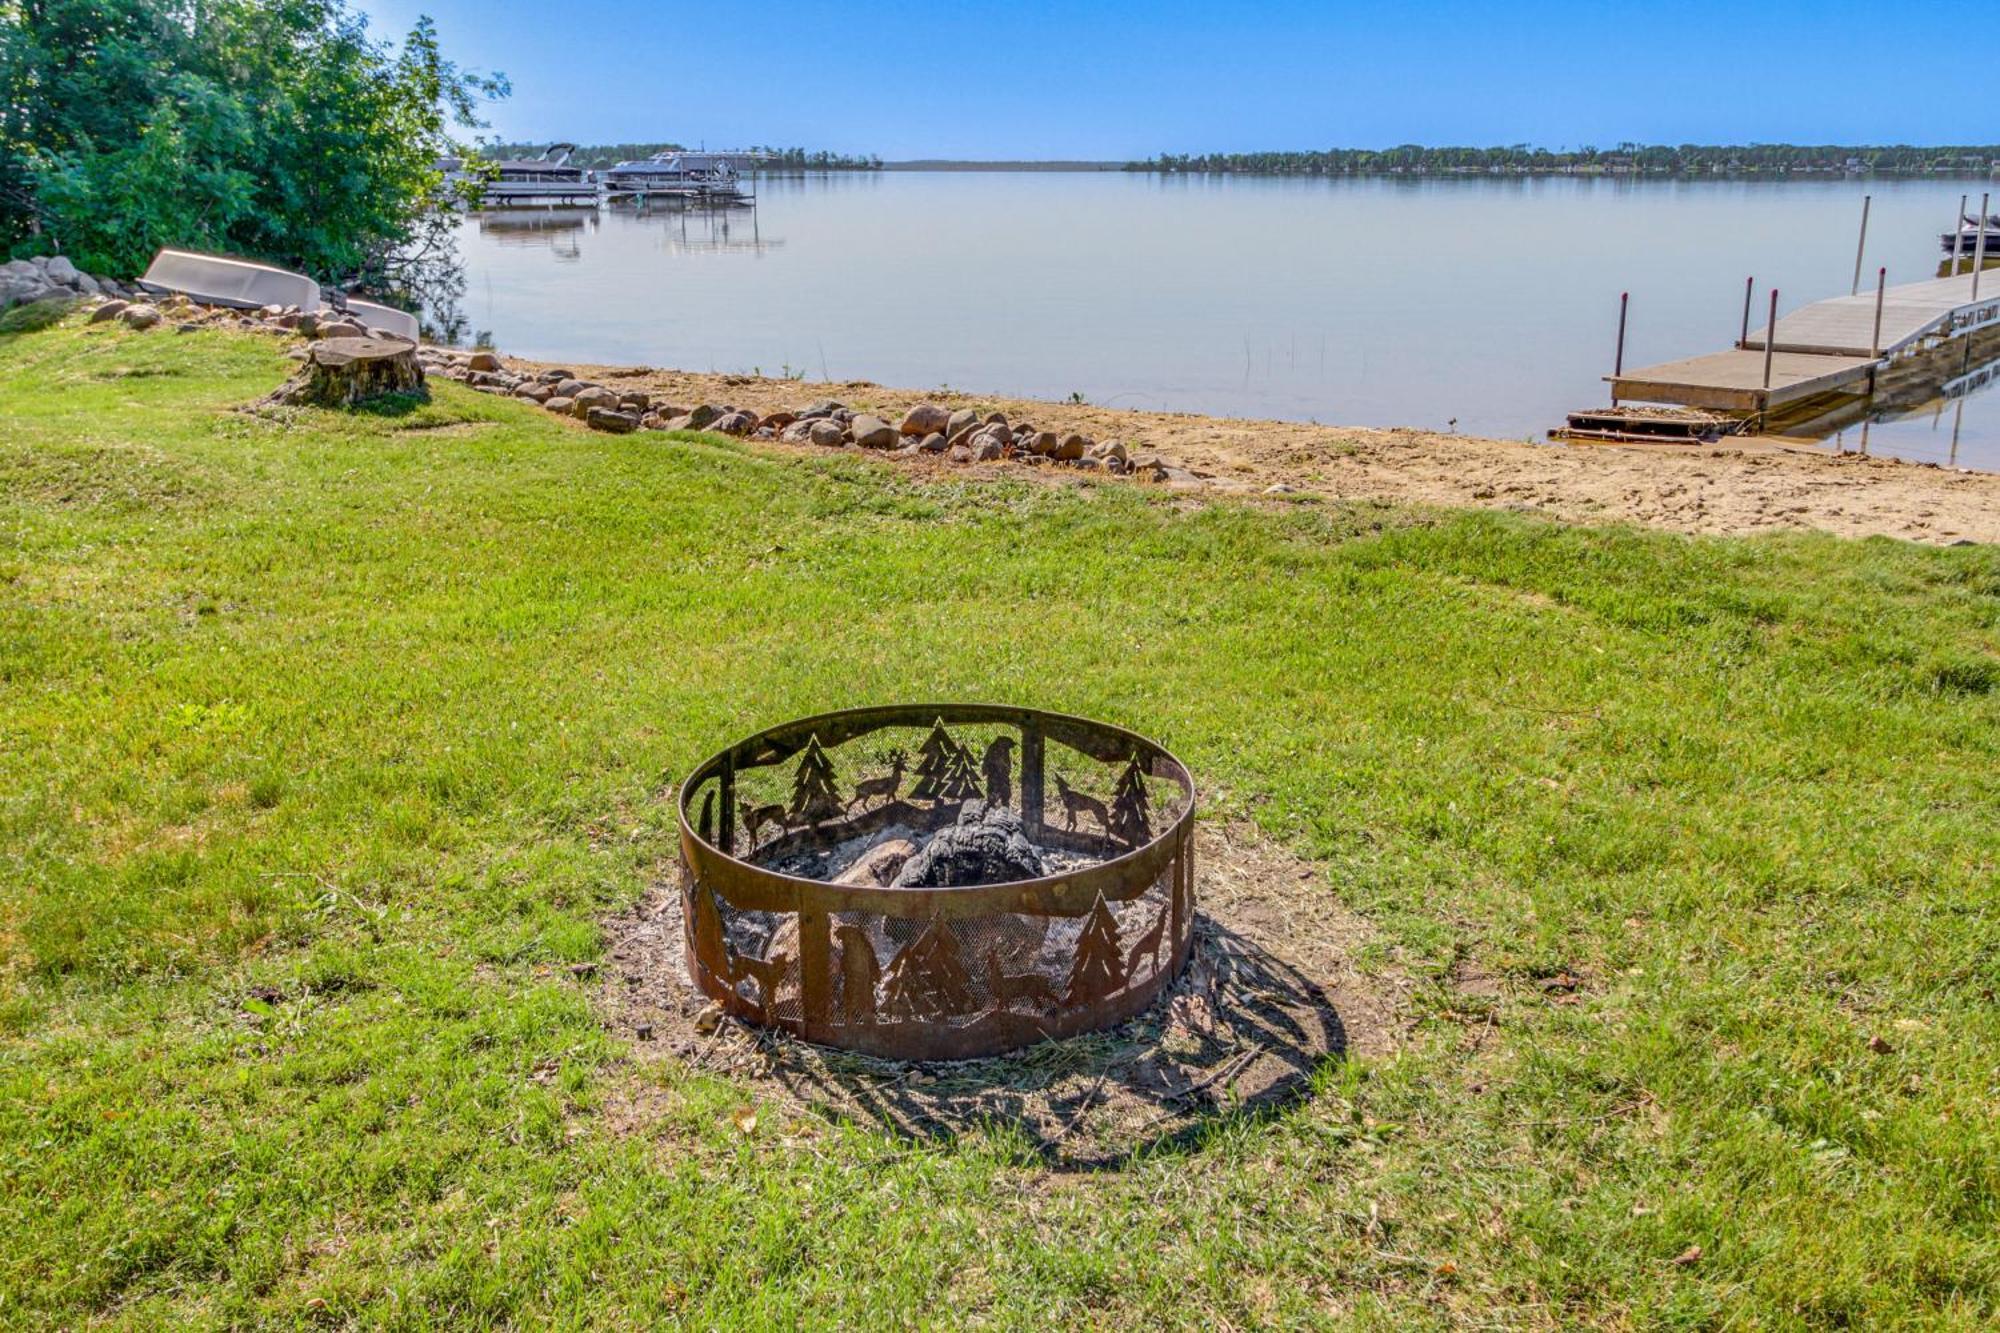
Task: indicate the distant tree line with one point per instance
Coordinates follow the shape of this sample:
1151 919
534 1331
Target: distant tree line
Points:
1625 159
610 154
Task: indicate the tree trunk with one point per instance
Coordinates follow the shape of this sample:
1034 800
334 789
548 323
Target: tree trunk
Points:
341 372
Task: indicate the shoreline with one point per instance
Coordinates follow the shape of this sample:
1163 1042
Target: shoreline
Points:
1742 486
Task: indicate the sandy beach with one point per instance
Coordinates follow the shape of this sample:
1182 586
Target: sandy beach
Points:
1741 486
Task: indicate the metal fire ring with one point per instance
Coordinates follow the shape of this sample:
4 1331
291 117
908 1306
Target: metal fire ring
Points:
937 973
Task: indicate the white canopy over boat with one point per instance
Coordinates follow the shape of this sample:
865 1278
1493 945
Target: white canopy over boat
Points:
216 280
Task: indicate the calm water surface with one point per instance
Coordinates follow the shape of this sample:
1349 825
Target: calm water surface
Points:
1372 302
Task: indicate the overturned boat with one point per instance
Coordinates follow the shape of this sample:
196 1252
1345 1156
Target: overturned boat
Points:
219 280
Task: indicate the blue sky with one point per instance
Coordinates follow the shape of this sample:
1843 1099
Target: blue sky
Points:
1118 80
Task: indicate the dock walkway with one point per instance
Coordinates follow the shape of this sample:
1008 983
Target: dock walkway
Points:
1824 348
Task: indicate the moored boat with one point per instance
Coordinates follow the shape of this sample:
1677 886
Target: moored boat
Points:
548 179
1965 241
714 177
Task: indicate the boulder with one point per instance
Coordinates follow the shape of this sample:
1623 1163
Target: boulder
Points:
608 419
140 316
799 432
1109 450
540 393
824 408
959 454
996 418
931 444
989 449
109 310
635 399
59 269
482 361
960 421
1042 443
339 329
826 433
569 386
86 284
871 432
699 417
923 419
777 421
734 423
1070 448
559 404
585 399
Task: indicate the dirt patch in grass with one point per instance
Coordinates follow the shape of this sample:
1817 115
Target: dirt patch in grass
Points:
1272 993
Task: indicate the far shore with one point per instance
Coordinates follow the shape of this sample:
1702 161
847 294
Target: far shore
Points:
1741 486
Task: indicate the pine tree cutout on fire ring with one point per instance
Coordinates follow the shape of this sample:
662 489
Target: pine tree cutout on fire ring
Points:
815 794
961 779
1131 813
934 761
927 980
1099 970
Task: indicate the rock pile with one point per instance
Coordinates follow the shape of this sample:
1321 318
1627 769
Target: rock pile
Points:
46 278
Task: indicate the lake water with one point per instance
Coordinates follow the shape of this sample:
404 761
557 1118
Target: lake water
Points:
1493 303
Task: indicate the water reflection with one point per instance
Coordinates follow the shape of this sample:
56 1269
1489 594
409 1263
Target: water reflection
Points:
1412 302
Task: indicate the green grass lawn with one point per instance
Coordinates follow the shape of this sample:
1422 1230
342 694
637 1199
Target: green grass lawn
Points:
326 741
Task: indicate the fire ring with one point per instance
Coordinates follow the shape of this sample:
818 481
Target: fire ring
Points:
862 879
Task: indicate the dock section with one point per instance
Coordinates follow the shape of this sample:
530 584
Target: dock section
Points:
1818 353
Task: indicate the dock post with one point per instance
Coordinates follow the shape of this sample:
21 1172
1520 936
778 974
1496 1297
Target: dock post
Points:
1979 246
1958 234
1618 358
1770 346
1861 248
1881 292
1749 290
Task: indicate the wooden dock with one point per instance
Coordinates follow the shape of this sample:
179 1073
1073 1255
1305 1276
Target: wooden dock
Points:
1827 348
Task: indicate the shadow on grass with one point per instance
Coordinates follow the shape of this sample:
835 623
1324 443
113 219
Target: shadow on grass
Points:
1239 1036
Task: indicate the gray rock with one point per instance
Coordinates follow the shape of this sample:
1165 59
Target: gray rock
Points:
607 419
59 269
988 450
569 386
799 432
1070 448
871 432
1042 442
824 408
962 420
140 316
559 404
826 433
1110 449
931 444
986 846
109 310
699 417
959 454
339 329
923 419
734 423
586 399
482 361
88 285
540 393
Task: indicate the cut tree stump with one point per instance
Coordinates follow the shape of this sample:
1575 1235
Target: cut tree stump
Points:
341 372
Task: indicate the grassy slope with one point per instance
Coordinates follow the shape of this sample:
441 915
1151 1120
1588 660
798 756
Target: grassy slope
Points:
370 716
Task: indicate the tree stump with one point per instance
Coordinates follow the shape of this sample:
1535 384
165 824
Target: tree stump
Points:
341 372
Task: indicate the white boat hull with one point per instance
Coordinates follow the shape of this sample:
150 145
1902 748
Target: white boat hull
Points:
216 280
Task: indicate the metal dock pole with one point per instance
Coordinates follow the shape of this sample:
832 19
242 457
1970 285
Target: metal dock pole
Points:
1749 290
1958 234
1770 346
1881 292
1979 246
1861 248
1618 358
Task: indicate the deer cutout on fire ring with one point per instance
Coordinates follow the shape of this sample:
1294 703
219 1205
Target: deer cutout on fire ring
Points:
755 817
1007 988
883 788
1076 803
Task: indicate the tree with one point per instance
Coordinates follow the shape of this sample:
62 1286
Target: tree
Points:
928 980
1099 969
815 790
1131 821
276 129
934 762
961 779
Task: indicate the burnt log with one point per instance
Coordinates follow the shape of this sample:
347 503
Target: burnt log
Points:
986 846
343 372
